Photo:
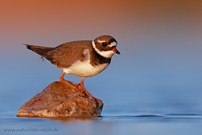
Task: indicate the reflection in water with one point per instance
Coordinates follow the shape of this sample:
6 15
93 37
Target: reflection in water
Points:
143 124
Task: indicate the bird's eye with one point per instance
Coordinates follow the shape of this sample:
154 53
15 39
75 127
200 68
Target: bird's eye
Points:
104 44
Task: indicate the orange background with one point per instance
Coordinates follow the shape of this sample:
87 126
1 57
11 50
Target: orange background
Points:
52 22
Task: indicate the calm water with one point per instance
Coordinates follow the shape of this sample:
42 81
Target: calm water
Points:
140 124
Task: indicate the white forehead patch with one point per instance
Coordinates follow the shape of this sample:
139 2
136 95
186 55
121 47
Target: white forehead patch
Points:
112 44
106 54
100 41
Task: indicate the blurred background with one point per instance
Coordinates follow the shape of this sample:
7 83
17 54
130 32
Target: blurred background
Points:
159 69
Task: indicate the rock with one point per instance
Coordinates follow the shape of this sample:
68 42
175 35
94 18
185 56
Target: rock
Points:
59 100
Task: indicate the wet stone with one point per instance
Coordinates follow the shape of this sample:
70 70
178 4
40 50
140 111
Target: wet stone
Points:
60 100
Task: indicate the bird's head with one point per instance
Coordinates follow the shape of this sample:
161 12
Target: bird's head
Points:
105 46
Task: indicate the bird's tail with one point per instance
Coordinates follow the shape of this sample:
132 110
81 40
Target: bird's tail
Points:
41 50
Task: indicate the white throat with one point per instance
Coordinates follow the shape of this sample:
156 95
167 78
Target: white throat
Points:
106 54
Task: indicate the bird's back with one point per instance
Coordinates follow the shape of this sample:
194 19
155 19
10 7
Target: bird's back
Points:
65 54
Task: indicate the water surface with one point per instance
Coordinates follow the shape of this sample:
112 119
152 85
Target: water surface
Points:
141 124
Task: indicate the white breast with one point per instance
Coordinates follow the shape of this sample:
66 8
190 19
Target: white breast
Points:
84 68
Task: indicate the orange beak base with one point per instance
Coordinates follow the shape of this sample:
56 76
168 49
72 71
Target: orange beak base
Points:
116 51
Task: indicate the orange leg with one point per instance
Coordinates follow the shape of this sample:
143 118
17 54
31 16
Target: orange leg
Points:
71 85
78 88
83 89
82 81
62 77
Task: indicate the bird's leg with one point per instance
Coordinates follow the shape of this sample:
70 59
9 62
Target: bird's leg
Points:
69 83
82 82
62 77
79 88
65 81
83 89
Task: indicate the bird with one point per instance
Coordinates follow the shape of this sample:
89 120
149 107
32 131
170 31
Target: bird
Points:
83 58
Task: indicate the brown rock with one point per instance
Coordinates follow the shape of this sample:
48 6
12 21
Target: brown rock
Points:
59 100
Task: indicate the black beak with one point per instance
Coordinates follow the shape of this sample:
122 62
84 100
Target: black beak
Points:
116 51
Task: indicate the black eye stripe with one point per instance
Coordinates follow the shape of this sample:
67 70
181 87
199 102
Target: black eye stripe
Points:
104 44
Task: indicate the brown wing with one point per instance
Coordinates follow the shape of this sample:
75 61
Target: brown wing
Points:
66 54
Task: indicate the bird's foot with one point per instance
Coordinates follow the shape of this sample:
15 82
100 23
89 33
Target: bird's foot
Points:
71 85
79 88
82 88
